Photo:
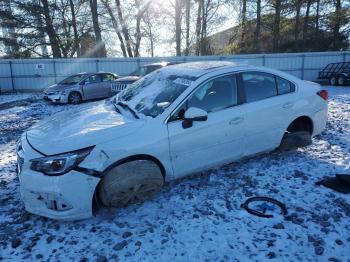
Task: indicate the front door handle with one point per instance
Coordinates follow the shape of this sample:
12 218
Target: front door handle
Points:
236 120
288 105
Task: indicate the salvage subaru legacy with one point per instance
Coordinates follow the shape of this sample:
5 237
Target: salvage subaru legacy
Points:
176 120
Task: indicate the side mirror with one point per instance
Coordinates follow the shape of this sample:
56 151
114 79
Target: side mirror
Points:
193 114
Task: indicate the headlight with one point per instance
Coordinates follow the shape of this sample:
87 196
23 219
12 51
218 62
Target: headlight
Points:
59 164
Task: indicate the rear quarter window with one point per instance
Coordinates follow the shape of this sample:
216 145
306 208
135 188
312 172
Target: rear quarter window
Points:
284 86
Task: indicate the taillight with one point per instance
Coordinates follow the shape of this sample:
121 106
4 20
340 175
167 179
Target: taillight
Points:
323 94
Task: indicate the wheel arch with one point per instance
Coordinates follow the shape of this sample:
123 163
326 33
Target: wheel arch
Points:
297 123
96 202
134 158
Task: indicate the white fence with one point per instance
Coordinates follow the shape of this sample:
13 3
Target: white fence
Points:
36 74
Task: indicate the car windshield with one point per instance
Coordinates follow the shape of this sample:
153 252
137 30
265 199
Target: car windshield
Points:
152 94
72 80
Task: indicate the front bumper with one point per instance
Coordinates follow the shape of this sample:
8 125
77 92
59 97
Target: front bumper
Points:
57 98
66 197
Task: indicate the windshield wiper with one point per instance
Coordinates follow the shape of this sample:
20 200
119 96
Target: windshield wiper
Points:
124 105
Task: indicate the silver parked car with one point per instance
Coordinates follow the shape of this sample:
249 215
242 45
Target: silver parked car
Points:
81 87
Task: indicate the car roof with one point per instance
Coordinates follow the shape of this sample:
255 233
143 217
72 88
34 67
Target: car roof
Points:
158 64
93 73
198 69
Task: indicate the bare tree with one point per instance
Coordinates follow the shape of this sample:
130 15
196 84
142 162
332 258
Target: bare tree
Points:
188 21
116 26
101 49
306 23
75 30
199 26
276 24
243 22
124 29
256 44
179 4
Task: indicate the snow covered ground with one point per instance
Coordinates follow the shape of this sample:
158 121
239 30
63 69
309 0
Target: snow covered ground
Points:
11 97
198 218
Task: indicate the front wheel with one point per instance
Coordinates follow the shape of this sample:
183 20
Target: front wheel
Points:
130 183
74 98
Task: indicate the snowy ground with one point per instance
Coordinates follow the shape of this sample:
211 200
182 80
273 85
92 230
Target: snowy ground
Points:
198 218
11 97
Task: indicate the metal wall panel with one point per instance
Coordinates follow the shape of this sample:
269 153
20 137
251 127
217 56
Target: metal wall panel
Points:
36 74
5 69
74 66
320 60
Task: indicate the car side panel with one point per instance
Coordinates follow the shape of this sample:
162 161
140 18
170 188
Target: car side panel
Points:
265 122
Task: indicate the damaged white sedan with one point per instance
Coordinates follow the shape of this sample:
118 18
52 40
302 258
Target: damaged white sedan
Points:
172 122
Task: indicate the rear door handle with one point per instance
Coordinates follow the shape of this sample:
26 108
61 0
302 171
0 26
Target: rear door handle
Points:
236 120
288 105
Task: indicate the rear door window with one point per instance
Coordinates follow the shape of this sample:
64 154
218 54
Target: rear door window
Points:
258 86
94 79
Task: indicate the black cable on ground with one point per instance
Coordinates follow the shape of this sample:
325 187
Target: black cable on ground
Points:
245 205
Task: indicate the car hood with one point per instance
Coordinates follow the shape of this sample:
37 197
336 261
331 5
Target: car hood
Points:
58 87
80 128
127 79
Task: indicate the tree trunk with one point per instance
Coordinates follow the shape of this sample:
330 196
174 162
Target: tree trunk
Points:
50 30
336 34
199 26
124 29
256 44
100 46
297 25
75 30
243 23
204 41
306 24
188 17
178 31
276 26
142 10
317 25
138 36
116 26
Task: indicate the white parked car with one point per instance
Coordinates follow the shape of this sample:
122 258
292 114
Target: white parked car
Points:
170 123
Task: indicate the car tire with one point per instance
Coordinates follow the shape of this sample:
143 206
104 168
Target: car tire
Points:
130 183
342 80
74 98
333 81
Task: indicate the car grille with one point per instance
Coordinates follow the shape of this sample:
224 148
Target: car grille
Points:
119 87
52 93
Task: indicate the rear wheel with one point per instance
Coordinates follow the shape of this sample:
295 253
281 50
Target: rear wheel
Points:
74 98
130 183
333 81
341 80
